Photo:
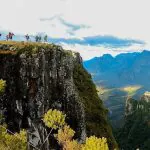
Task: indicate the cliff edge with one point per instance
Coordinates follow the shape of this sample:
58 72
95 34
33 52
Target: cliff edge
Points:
43 76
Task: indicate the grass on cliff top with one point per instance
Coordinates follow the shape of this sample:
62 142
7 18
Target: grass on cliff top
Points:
19 44
29 48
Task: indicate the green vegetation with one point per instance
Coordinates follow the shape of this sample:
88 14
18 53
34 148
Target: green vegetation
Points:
101 90
131 90
54 119
136 130
94 143
11 141
27 48
114 99
96 114
65 134
2 86
18 141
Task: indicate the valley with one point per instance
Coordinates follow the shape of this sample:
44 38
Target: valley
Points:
118 78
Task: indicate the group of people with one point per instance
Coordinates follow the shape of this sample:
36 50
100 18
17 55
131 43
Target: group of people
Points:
38 38
9 36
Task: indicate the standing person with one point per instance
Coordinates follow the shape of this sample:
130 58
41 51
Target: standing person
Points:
27 37
45 38
36 38
0 35
10 35
40 38
7 37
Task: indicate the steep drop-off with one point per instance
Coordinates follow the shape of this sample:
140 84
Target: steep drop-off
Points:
136 131
44 76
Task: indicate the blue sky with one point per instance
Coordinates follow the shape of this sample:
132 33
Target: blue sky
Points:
91 27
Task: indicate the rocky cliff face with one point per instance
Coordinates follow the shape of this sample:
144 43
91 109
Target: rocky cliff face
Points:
136 130
146 97
43 76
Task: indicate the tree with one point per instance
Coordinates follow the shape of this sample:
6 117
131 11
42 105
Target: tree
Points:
54 119
9 140
65 139
45 38
2 86
94 143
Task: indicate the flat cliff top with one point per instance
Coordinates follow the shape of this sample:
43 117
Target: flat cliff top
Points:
14 47
23 43
47 74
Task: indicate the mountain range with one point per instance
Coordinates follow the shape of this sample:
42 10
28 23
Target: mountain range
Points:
119 77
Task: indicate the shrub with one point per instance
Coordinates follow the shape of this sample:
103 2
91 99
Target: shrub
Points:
54 119
2 86
17 141
94 143
65 134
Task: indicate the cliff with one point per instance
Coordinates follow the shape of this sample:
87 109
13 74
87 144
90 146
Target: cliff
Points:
43 76
136 130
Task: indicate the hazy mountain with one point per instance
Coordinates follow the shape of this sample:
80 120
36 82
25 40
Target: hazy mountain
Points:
127 74
124 69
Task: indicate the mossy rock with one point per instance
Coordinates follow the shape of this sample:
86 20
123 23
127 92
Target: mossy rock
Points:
96 115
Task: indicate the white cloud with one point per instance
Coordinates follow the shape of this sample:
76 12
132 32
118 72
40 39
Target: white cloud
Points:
88 52
121 18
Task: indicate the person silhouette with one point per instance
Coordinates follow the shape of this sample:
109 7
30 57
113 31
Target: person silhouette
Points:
7 37
45 38
10 35
27 37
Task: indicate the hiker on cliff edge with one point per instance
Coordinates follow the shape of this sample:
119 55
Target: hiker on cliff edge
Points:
10 35
45 38
27 37
7 37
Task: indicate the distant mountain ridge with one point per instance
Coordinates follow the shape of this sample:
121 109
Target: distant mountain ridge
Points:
127 74
124 69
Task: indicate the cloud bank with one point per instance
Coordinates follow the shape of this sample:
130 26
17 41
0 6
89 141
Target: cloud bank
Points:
90 27
105 41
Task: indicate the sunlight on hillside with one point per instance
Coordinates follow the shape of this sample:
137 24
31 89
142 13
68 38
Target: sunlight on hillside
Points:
107 93
131 90
147 93
101 90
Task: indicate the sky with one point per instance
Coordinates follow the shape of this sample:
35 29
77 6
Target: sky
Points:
90 27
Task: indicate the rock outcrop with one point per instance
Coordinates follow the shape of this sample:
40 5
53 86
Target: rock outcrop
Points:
136 130
146 97
44 76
